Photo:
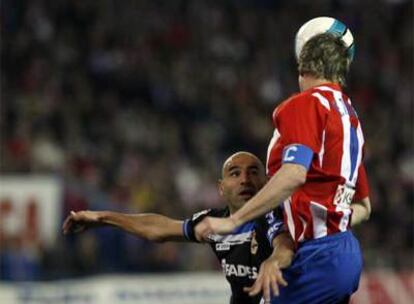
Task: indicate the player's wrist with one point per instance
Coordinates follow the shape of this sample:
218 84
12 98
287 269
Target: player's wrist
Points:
103 217
282 259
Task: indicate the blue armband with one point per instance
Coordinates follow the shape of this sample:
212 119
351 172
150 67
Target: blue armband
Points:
298 154
185 229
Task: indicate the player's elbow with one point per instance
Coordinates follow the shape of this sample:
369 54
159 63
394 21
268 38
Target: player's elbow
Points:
365 215
295 175
367 205
299 180
368 213
361 211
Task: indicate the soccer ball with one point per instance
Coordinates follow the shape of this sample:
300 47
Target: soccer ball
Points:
321 25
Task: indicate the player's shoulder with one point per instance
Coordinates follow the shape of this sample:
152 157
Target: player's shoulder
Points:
283 105
296 100
319 97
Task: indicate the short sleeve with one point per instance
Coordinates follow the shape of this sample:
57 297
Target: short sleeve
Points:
362 186
302 121
275 224
190 223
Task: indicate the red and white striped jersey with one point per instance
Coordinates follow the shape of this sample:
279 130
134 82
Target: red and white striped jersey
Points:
323 119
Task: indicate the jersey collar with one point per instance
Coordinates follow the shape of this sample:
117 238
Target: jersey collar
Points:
332 85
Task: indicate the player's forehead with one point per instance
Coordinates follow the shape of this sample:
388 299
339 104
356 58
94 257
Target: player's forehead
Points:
242 160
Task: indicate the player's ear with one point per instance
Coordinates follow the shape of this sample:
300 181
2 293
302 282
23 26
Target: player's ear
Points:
220 186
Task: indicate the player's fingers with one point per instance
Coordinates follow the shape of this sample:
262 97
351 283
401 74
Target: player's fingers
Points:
205 231
248 289
67 224
206 234
253 290
200 231
78 228
274 286
256 288
266 290
78 221
207 226
66 228
281 280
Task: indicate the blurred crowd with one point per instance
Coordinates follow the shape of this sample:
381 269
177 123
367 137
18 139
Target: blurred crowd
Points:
135 105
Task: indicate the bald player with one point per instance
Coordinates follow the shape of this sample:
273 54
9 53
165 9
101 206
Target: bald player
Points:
239 253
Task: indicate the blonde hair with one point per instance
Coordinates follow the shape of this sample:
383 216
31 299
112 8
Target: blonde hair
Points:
325 56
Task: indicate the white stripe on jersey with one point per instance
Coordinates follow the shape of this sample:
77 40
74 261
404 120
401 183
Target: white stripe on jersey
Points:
322 151
319 216
346 125
288 211
346 165
304 226
346 153
361 140
322 100
325 103
360 137
273 141
346 128
232 239
324 88
346 159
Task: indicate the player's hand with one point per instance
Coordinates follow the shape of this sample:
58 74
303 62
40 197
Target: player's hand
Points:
80 221
213 225
268 280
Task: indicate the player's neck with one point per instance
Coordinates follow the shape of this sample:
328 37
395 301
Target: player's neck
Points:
308 82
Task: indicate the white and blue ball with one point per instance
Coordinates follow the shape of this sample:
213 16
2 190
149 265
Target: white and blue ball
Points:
321 25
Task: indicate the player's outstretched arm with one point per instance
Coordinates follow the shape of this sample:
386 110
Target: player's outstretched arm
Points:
361 211
270 274
153 227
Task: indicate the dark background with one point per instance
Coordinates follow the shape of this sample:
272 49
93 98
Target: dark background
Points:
135 105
